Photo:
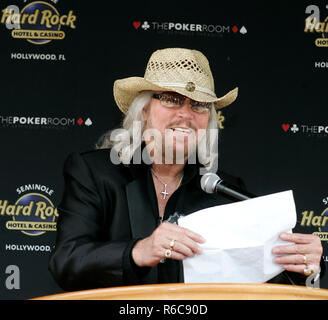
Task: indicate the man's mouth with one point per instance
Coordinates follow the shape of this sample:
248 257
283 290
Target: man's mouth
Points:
179 130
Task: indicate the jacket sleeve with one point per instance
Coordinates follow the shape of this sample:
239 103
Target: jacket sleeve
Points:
81 259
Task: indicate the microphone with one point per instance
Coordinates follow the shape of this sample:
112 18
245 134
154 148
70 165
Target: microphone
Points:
211 182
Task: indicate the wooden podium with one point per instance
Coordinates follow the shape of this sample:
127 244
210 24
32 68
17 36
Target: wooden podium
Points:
196 291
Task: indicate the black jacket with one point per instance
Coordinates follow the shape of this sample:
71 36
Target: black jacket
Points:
106 208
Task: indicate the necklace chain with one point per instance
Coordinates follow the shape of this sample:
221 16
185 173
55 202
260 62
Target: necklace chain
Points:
165 193
152 170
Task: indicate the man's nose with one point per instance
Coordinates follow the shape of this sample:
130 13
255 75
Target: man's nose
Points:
185 110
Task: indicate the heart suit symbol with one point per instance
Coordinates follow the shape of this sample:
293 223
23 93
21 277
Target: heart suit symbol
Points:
136 24
285 126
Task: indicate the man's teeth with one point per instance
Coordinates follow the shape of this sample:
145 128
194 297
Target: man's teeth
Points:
182 130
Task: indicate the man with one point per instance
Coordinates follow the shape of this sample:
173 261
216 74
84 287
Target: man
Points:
110 230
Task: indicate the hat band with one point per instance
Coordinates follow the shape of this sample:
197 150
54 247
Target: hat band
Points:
182 85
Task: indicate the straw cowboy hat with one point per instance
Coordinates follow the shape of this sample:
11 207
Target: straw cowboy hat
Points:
180 70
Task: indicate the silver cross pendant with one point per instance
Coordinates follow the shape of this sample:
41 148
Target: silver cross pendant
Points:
165 193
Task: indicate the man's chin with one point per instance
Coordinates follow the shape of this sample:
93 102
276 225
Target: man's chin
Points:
178 154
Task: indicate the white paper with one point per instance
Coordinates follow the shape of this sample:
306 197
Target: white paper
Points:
239 239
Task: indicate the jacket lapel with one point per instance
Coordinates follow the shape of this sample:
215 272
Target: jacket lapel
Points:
142 219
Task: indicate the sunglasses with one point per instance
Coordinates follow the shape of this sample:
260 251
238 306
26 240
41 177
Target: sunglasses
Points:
172 100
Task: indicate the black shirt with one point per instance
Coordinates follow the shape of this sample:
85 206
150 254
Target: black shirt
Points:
169 271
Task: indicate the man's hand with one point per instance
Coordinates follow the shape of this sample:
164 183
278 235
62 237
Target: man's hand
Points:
305 252
149 251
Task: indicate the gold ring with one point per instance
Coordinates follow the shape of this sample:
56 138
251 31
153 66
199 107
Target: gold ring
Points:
304 258
168 253
172 244
308 271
